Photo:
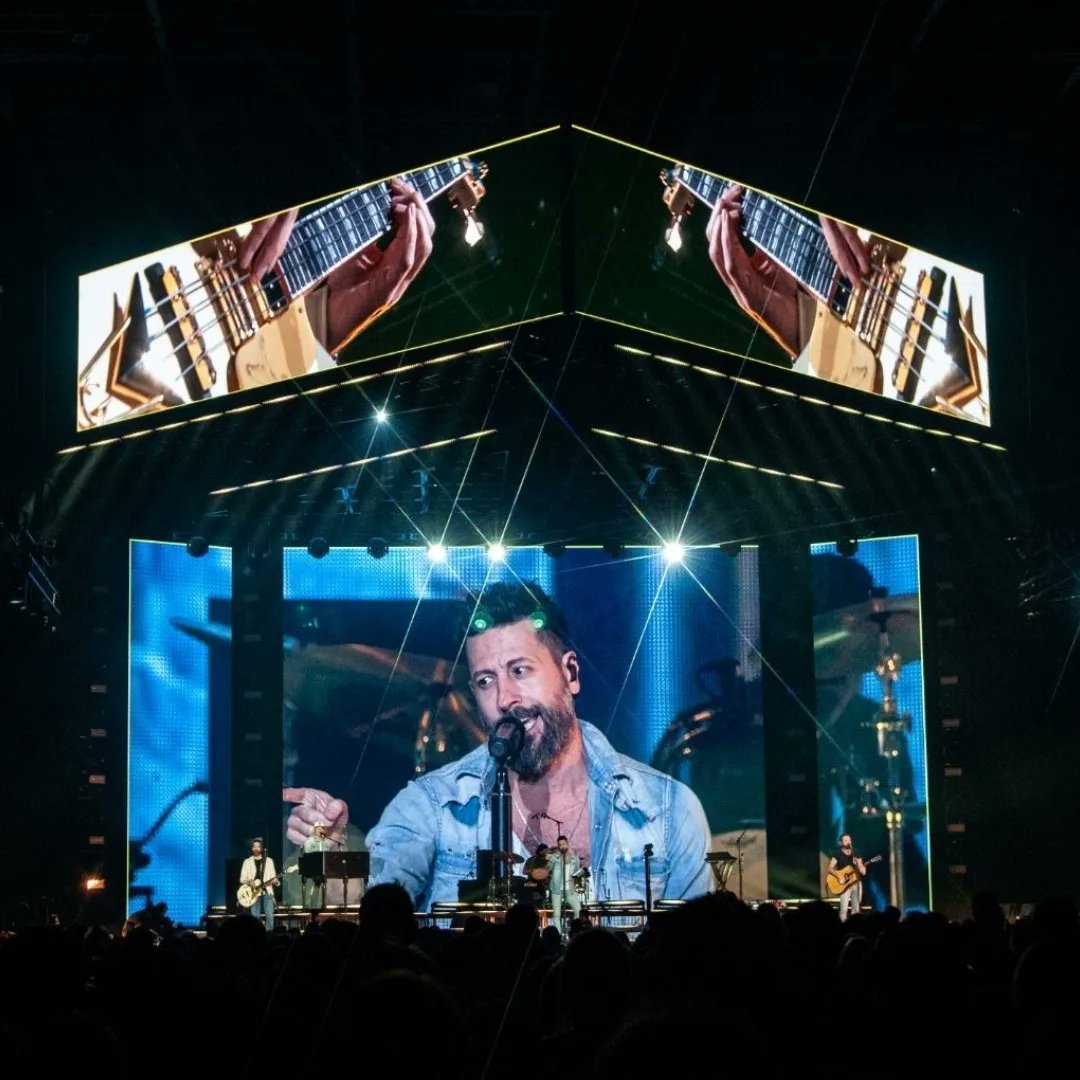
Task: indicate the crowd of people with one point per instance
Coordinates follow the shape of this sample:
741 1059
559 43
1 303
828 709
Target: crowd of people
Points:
713 983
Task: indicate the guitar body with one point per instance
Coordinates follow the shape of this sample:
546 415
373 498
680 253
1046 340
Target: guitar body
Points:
283 348
836 353
839 881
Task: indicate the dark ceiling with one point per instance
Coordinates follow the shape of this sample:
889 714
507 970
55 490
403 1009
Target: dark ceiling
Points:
948 124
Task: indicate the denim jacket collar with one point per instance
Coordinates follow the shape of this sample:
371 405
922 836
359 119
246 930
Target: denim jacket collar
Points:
475 775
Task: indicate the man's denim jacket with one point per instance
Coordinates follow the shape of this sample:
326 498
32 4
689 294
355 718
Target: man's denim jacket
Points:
428 836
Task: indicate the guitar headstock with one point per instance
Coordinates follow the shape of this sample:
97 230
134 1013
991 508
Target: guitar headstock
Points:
679 199
465 195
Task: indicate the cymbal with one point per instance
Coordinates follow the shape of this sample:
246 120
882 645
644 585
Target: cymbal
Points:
847 641
505 856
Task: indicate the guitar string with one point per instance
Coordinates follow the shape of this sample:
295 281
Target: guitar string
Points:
239 299
888 322
315 245
826 255
825 259
357 193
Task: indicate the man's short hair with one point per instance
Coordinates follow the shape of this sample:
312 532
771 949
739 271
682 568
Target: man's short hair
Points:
503 603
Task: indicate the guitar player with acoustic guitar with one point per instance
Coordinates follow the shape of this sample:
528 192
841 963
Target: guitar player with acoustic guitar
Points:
844 876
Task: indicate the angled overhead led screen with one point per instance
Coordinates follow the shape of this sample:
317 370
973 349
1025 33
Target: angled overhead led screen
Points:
459 246
668 247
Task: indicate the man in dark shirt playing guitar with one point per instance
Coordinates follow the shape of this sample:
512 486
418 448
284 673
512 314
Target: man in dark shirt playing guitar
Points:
844 865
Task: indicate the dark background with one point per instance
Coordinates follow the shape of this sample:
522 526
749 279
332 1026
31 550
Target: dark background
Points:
949 124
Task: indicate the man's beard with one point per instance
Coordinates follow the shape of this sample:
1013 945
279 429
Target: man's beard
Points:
557 726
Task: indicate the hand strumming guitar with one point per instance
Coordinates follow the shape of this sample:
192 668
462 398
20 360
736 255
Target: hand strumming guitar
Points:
368 284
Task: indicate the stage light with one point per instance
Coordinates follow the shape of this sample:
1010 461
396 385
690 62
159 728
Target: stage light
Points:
614 550
497 552
378 547
197 547
93 883
381 416
555 550
437 552
673 552
318 547
847 547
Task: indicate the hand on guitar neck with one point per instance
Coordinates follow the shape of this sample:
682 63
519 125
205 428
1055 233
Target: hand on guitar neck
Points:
761 287
360 290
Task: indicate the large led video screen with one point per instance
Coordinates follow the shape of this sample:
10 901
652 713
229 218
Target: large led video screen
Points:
178 728
377 699
441 251
668 247
870 715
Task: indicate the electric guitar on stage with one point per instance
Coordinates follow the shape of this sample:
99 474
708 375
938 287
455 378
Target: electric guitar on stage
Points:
250 891
186 323
896 316
839 881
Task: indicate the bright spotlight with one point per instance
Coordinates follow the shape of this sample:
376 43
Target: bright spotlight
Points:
436 552
381 416
673 552
497 552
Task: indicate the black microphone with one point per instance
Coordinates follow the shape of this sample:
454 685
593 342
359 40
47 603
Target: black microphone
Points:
505 747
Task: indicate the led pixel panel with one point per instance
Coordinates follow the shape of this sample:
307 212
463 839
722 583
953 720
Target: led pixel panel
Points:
377 690
700 256
870 711
438 252
178 727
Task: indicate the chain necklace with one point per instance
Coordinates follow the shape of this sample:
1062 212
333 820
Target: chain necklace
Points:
538 836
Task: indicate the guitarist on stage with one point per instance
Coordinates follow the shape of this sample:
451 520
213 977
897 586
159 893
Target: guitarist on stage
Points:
842 859
259 872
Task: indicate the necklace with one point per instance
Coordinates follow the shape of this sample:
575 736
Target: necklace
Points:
536 832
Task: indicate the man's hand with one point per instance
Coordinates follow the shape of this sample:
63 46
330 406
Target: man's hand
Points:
312 806
375 280
262 247
847 249
760 287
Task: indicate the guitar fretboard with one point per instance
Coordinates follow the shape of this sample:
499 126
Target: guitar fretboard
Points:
787 236
325 238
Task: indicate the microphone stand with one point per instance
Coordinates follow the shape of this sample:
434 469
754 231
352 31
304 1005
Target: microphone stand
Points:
738 852
503 749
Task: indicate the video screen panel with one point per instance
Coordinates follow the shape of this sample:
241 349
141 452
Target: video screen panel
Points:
374 698
666 246
871 719
452 248
178 728
669 674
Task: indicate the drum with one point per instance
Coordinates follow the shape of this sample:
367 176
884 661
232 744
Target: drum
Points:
581 881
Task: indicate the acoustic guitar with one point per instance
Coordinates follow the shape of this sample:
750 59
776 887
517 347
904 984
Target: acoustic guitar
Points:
898 314
186 323
838 882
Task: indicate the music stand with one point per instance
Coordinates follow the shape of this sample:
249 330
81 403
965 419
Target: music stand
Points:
721 863
341 865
